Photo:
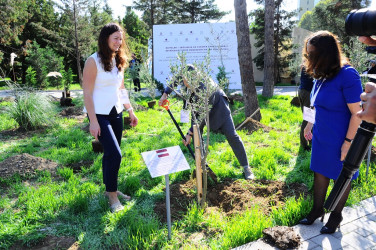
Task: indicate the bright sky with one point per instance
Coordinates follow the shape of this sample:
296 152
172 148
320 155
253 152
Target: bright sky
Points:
118 7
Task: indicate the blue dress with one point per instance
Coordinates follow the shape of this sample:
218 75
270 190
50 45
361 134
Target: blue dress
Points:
332 120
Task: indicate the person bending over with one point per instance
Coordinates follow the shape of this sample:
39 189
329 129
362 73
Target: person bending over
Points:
220 120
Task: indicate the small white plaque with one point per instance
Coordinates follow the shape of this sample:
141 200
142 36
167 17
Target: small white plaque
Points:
165 161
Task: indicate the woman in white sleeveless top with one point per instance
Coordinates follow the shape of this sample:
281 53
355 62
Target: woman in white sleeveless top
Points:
105 98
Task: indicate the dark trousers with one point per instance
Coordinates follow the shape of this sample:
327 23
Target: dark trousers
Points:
228 130
111 131
304 98
137 84
236 143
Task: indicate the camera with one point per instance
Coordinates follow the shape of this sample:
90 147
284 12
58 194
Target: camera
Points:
351 164
361 22
358 23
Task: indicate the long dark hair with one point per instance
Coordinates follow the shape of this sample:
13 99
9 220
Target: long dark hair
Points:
327 58
104 51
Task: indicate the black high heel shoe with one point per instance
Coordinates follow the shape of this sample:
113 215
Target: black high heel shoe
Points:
333 223
312 216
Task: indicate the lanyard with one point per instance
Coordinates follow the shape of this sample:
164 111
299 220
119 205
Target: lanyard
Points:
314 93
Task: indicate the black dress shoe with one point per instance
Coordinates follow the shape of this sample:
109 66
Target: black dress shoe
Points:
312 216
333 223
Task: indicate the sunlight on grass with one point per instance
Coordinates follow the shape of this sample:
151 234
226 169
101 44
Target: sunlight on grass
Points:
71 202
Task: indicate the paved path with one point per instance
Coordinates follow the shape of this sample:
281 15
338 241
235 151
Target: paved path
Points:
358 231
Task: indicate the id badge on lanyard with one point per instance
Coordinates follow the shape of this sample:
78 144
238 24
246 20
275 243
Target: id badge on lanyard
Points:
309 114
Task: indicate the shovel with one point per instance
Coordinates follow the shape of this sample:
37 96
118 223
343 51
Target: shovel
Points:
165 105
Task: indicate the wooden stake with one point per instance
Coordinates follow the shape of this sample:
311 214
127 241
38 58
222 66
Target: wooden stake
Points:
246 120
198 164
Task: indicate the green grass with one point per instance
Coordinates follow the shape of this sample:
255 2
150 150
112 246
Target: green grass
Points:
72 204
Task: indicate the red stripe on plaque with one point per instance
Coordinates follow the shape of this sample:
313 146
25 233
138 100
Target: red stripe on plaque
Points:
161 150
163 155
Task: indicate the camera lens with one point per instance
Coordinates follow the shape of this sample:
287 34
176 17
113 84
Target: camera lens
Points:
361 22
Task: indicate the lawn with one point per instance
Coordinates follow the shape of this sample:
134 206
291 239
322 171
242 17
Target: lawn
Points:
70 202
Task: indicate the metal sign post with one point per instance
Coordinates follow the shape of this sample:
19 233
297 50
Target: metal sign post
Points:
168 206
165 161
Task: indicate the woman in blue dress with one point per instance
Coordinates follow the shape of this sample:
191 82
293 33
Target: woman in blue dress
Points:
335 100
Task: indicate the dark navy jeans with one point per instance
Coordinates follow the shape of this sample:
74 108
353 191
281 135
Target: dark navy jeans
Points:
111 131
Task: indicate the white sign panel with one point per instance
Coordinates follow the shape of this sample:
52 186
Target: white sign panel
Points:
165 161
196 39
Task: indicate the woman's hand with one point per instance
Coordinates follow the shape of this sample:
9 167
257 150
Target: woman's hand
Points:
344 149
308 131
163 98
134 119
187 140
368 97
95 130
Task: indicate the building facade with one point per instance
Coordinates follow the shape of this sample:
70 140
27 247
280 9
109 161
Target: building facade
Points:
305 5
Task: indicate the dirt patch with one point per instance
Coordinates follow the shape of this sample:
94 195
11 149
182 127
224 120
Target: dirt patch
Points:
138 107
295 101
253 125
7 99
72 111
78 166
50 242
20 133
25 165
235 97
282 237
230 196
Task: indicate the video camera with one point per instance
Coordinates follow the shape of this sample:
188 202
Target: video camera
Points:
358 23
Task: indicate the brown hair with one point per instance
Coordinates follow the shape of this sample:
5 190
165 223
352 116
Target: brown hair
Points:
104 51
327 59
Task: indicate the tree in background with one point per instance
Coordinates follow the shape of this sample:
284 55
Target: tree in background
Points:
41 28
331 15
80 23
136 28
43 61
197 11
268 86
283 24
245 60
14 15
73 12
178 11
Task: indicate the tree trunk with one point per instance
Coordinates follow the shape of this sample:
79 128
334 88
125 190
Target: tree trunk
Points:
268 87
78 57
245 59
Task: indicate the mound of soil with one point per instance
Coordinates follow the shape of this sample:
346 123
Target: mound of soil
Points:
231 196
282 237
7 99
78 166
25 165
252 125
20 133
138 107
235 97
72 111
50 242
295 101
